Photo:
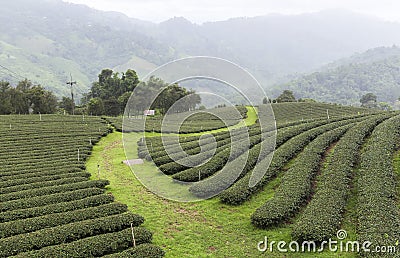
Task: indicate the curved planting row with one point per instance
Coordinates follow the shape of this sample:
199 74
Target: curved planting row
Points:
144 250
24 187
17 227
32 180
234 169
377 206
218 161
322 217
97 246
304 110
185 160
157 145
296 186
173 153
53 190
241 190
253 159
217 152
91 201
193 121
48 205
49 199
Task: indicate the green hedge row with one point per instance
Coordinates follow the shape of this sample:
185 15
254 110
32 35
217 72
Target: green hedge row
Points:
377 199
49 199
200 122
40 170
218 161
47 156
95 246
30 166
241 190
221 181
322 217
31 180
17 227
296 186
174 152
233 170
140 251
183 163
157 147
53 190
164 157
37 185
88 202
67 233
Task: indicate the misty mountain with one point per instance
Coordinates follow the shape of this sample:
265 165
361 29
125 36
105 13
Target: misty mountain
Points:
46 40
276 45
345 81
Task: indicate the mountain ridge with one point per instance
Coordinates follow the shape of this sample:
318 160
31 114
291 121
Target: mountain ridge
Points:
274 48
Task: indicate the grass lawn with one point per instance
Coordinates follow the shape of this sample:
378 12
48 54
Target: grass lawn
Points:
196 229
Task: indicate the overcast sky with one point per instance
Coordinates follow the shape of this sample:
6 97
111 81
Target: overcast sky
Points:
200 11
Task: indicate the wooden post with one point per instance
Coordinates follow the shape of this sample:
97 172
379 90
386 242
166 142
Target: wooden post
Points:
133 236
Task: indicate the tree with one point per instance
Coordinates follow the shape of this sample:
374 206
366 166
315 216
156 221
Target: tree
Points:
307 100
113 90
266 100
385 106
67 104
369 100
286 96
5 100
95 107
20 97
41 100
111 107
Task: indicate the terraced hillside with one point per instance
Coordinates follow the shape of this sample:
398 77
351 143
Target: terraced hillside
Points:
325 175
284 112
48 205
333 174
191 122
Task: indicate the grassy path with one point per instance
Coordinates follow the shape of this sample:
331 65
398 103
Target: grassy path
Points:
199 229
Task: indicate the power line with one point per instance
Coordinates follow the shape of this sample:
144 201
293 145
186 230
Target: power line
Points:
13 74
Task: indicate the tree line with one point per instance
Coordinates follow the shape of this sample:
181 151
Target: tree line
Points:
368 100
110 94
107 96
26 98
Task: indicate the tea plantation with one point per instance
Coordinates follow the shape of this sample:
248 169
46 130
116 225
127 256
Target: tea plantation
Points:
332 168
48 205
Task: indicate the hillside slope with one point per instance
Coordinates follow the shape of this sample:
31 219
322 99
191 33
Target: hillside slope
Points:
345 81
55 39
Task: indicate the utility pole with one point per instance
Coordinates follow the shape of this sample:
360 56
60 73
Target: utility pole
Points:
72 83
